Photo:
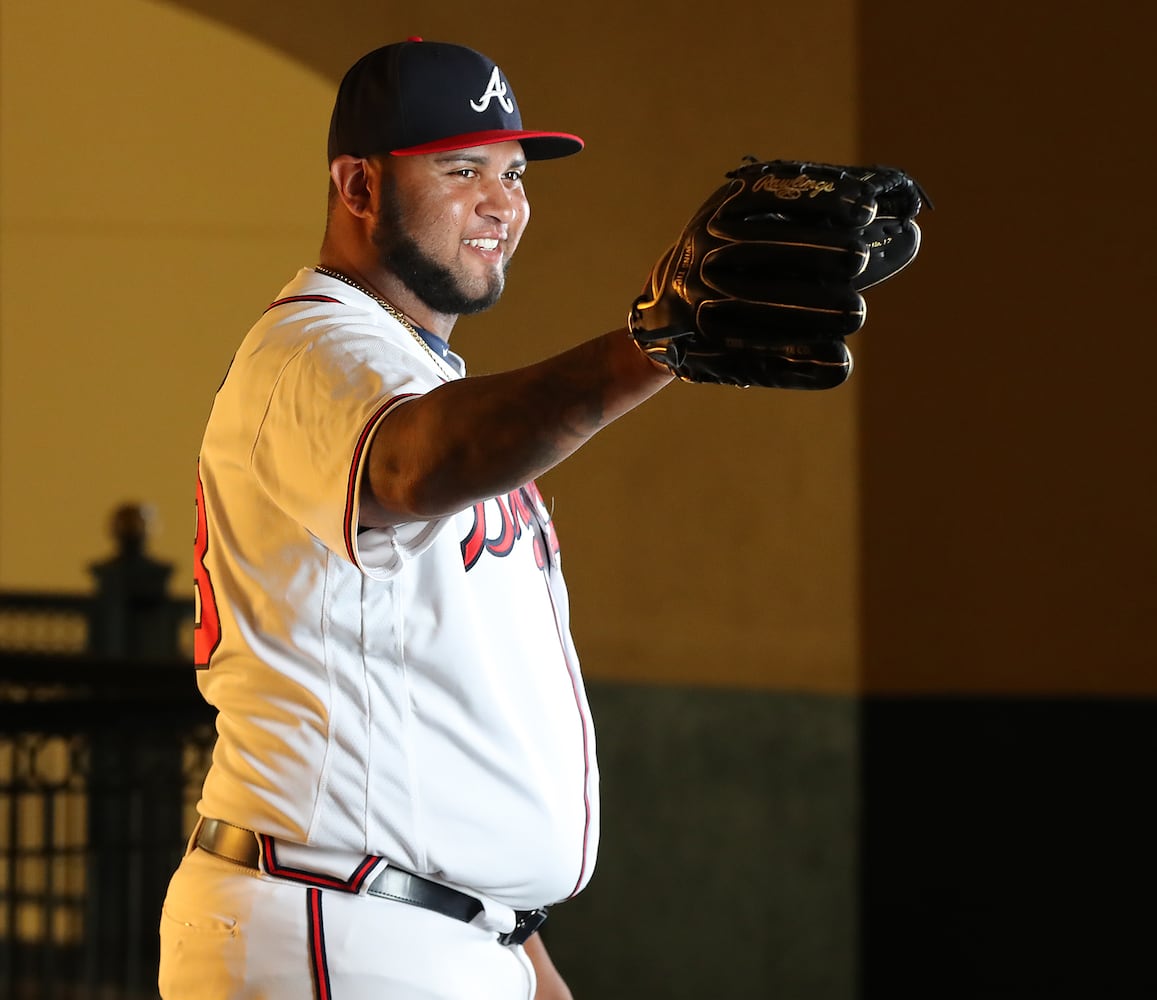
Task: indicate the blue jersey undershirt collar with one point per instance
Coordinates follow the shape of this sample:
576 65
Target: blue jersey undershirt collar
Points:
442 349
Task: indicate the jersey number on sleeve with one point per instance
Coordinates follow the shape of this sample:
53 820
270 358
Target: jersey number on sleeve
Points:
207 623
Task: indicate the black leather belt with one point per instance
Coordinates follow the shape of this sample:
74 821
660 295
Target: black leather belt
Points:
241 846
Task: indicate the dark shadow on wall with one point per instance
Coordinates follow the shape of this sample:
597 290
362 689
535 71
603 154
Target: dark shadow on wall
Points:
728 859
1009 848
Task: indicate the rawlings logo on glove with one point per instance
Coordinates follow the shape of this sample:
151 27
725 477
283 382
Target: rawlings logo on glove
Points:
790 188
764 282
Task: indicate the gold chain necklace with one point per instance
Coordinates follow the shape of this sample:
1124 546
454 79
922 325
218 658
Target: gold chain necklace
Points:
388 306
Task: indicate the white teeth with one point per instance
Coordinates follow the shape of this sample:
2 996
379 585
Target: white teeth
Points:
482 244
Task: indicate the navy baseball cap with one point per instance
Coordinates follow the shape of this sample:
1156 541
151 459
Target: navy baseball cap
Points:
417 97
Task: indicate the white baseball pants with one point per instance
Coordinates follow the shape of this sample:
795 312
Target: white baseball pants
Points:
230 933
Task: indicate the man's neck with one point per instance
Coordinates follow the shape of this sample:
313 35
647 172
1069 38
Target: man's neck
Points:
387 285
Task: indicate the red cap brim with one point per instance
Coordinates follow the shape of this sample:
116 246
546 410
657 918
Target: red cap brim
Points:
535 145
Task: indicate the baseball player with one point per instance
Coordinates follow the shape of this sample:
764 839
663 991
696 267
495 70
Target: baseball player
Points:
405 770
405 774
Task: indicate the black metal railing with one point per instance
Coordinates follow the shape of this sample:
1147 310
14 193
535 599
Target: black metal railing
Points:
104 742
100 767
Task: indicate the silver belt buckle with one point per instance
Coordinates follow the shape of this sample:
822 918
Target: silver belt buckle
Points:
526 922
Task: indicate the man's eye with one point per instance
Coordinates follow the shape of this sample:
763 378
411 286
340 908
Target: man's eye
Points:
514 175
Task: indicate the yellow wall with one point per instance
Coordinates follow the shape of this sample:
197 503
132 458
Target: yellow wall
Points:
971 513
150 206
710 537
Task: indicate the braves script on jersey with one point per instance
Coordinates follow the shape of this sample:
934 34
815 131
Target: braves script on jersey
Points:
408 692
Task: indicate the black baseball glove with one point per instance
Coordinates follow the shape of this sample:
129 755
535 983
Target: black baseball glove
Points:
763 284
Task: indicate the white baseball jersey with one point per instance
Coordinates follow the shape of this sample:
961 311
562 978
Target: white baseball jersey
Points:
408 692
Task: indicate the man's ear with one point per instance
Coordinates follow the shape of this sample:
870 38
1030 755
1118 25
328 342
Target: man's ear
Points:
355 179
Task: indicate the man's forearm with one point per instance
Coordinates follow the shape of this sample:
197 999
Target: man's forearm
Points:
486 435
551 985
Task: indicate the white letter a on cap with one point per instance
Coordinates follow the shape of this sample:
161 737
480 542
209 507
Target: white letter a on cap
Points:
494 89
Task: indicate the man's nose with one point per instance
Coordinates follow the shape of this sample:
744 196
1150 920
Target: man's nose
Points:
498 202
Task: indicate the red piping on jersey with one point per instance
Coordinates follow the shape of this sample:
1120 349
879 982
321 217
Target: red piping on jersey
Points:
300 298
317 960
350 526
586 763
549 541
315 879
582 722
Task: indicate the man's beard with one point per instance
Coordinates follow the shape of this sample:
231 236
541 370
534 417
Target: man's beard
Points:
433 283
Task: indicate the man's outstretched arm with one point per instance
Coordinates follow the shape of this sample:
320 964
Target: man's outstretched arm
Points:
486 435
